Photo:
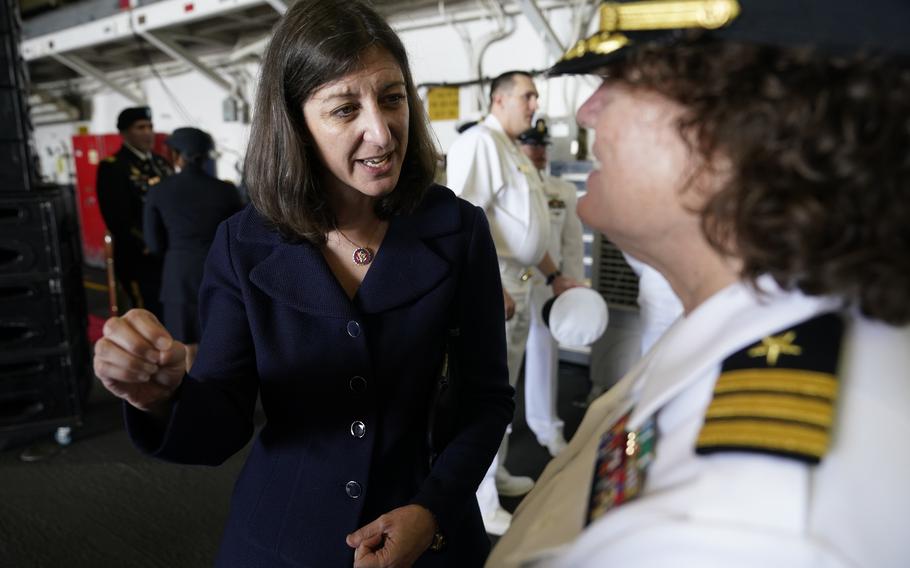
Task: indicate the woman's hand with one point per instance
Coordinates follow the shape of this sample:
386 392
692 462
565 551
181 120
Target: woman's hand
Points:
138 361
394 540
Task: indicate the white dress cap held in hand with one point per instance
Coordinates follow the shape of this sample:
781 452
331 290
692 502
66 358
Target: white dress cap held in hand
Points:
577 317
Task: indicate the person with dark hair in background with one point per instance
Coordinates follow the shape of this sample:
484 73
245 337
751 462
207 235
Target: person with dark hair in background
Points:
486 167
182 214
124 180
331 297
755 153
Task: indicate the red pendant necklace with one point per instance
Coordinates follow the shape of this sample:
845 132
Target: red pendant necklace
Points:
362 255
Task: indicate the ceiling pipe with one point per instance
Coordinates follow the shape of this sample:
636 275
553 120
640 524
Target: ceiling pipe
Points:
175 51
535 16
84 68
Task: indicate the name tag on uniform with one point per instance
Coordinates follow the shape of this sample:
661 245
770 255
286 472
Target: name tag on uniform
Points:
619 470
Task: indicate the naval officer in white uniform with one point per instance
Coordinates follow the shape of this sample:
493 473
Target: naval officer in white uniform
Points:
485 167
748 152
567 252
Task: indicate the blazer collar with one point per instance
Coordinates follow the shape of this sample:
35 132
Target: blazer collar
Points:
405 267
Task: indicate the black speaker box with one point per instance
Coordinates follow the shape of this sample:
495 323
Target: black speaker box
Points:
10 22
45 371
38 233
13 70
43 390
14 116
17 168
41 312
14 166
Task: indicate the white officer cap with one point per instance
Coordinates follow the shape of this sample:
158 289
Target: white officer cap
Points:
577 317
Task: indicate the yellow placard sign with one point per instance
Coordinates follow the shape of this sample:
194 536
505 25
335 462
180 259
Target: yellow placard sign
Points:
443 103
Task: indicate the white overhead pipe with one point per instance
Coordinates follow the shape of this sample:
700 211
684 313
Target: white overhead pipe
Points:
505 28
172 49
442 18
255 47
84 68
57 106
535 16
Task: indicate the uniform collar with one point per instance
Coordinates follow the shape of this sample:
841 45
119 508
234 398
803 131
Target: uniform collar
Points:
493 124
729 320
141 155
495 127
405 267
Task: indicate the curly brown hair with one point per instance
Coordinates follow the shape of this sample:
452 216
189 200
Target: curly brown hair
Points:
820 150
318 41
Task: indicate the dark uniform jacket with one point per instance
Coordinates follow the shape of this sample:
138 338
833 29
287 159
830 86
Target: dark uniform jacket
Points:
123 181
182 214
344 384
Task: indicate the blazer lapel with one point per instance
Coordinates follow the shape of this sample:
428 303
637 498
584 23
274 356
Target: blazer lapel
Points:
405 267
297 275
294 274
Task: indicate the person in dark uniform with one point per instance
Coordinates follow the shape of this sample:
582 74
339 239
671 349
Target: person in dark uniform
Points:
123 181
182 214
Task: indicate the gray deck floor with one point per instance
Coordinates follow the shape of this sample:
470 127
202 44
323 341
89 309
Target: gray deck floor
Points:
99 503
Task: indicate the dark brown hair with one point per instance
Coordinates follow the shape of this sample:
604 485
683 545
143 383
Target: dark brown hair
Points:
820 150
318 41
505 81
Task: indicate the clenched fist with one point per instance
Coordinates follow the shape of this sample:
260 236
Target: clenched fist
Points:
138 361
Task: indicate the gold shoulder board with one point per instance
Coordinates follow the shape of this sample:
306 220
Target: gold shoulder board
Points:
777 396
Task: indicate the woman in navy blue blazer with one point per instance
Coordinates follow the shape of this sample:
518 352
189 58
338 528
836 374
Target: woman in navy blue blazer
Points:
329 297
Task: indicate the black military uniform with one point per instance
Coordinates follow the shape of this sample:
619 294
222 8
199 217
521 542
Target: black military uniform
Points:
181 216
123 181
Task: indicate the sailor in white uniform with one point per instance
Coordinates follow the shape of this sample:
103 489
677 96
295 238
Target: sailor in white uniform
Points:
658 306
768 425
485 167
567 252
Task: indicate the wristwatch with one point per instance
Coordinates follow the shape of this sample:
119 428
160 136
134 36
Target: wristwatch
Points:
552 276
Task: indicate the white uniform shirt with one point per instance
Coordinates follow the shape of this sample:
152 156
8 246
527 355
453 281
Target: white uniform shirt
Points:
566 247
735 509
485 167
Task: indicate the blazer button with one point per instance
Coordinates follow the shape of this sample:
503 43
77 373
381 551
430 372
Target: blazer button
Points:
358 429
357 384
353 489
353 329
